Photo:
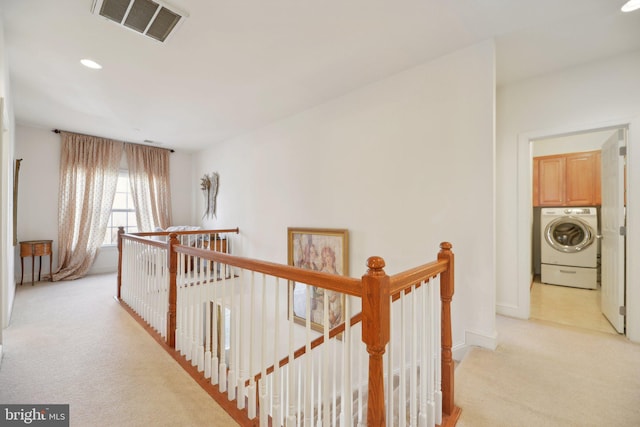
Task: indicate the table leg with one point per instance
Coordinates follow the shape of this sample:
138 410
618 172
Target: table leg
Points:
21 269
40 268
50 267
33 269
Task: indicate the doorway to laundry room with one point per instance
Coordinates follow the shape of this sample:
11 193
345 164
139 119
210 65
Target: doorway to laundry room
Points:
578 196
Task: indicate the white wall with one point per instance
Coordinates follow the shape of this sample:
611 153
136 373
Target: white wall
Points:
39 150
183 180
7 161
38 198
592 96
403 164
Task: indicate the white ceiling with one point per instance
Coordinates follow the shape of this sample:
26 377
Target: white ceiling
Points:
237 65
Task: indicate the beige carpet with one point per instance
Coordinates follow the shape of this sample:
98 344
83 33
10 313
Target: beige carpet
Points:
545 374
71 342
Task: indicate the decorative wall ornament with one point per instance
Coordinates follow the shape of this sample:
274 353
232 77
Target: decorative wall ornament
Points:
209 187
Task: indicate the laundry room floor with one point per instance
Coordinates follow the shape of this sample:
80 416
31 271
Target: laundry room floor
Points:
568 306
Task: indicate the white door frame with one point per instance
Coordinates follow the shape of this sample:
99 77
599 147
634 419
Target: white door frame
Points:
525 215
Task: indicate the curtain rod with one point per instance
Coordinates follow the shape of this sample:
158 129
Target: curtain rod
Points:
171 150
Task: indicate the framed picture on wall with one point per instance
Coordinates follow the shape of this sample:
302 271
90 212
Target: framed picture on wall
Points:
324 250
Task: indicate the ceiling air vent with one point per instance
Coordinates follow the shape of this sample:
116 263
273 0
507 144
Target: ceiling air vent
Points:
155 19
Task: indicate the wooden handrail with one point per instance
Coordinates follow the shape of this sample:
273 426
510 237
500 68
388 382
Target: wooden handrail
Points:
167 233
406 279
142 239
345 285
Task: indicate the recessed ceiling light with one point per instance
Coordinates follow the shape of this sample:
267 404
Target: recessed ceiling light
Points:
90 64
630 6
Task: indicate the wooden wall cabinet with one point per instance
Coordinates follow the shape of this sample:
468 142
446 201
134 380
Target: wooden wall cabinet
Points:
567 179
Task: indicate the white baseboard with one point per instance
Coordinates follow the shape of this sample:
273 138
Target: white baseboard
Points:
474 339
458 352
509 311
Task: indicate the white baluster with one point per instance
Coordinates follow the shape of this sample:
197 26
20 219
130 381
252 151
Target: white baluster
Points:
308 389
413 377
157 285
207 333
195 309
263 356
347 388
215 339
323 368
402 404
179 305
164 308
276 345
201 316
391 348
264 413
188 330
242 371
333 370
251 390
437 349
252 339
222 374
231 388
426 332
291 398
361 380
222 385
431 414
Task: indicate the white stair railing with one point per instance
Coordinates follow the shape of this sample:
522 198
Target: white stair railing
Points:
414 397
235 323
221 315
144 272
145 276
240 326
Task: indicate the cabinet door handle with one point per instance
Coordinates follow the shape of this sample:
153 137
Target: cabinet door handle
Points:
567 271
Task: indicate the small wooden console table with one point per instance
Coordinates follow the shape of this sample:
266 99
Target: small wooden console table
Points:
33 249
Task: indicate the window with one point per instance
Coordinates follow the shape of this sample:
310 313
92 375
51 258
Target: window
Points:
123 214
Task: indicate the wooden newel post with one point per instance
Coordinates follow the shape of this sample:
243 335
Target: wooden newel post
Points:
446 294
119 282
173 290
376 309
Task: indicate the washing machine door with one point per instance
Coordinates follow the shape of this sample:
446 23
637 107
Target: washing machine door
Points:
569 234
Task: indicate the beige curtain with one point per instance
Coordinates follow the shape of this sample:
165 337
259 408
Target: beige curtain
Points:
149 180
88 178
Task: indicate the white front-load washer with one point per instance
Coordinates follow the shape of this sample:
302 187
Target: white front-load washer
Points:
569 247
